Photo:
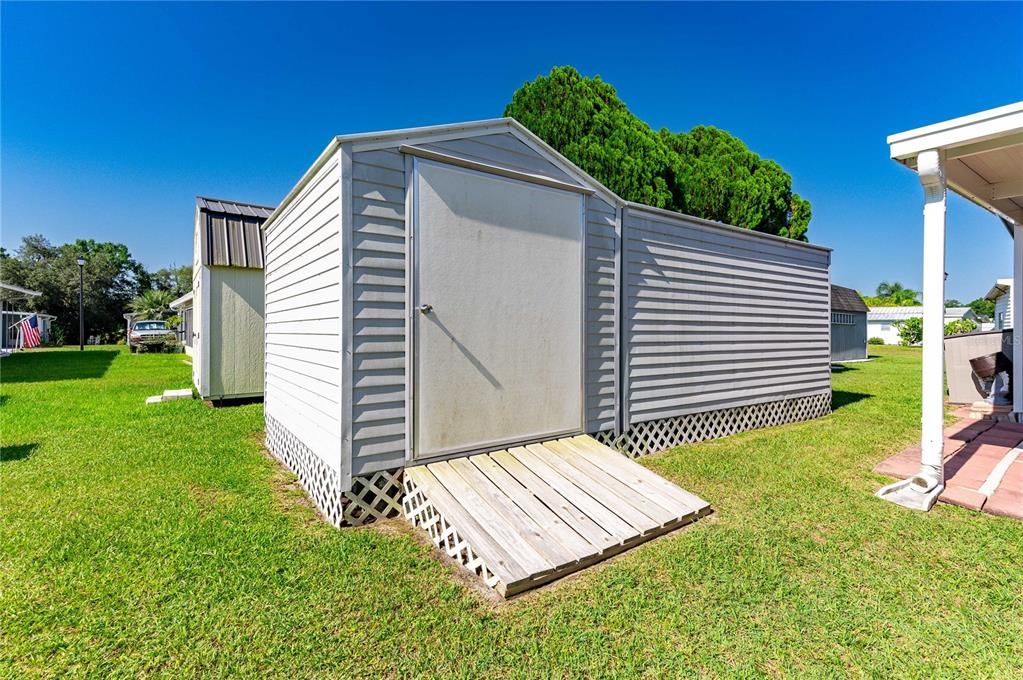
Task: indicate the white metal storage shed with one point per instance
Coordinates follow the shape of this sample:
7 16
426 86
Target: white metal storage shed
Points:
227 299
441 291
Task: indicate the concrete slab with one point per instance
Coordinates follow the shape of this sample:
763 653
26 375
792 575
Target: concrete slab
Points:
963 497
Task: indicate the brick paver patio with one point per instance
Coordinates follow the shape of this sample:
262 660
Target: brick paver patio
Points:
983 466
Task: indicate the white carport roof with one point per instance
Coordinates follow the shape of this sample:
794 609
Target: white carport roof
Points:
1000 288
18 289
983 156
980 157
182 302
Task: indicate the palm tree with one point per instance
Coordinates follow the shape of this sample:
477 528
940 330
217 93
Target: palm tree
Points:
897 294
153 304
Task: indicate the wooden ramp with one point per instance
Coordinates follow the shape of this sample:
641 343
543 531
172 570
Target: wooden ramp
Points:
522 517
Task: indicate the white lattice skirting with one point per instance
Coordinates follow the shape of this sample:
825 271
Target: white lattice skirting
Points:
420 512
374 497
657 435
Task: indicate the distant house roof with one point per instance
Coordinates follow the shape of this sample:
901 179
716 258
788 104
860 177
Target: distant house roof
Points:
903 313
229 232
894 313
1001 287
959 313
846 300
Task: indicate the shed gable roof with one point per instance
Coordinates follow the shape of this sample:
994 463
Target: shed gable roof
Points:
846 300
229 232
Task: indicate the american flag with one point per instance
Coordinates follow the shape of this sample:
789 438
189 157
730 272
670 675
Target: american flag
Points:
29 328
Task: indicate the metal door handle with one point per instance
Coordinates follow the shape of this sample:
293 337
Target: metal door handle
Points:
425 309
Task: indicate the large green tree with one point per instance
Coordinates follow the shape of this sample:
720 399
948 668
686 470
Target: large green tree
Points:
175 280
983 307
705 172
112 280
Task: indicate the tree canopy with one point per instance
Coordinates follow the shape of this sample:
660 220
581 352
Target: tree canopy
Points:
112 280
174 279
705 172
892 294
983 307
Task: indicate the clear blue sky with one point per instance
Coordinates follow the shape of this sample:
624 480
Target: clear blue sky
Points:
115 116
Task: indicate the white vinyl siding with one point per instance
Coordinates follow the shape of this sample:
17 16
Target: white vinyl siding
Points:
717 318
303 315
1003 311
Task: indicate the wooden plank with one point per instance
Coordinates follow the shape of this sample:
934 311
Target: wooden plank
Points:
508 536
494 555
513 516
679 504
618 505
607 520
662 514
561 506
636 475
544 516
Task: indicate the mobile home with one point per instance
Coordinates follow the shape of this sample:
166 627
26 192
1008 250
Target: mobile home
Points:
226 308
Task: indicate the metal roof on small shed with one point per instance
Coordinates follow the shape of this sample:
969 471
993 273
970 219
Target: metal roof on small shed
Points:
233 207
230 233
846 300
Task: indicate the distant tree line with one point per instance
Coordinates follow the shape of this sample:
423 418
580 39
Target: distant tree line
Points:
705 172
113 280
896 295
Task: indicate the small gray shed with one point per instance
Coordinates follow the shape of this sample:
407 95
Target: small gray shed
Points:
848 325
226 315
437 292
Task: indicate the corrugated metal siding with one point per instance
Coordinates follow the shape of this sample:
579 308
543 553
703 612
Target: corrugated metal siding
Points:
378 289
378 311
602 244
232 240
849 341
303 316
504 150
716 318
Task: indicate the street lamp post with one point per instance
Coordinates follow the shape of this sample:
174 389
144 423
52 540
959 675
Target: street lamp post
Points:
81 303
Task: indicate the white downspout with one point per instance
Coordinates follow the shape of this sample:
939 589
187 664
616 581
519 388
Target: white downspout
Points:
1016 300
922 490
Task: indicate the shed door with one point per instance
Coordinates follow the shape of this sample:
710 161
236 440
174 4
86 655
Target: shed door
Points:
498 345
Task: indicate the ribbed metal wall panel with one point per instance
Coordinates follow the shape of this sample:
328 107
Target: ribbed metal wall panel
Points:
714 317
379 362
849 341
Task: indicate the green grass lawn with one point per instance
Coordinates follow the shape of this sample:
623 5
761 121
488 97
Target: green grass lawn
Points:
160 539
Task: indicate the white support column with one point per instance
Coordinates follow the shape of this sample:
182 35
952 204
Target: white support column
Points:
931 170
922 490
1017 322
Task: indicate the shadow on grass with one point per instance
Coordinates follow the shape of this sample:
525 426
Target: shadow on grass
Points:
840 398
26 367
11 453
